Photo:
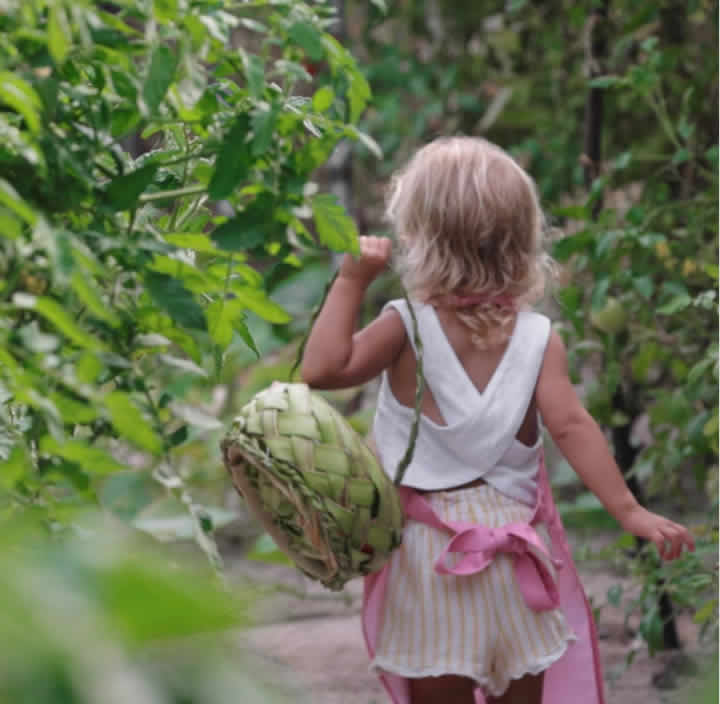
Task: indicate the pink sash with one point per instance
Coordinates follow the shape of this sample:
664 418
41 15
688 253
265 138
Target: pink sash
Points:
577 676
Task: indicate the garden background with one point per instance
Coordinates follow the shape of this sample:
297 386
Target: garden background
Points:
173 176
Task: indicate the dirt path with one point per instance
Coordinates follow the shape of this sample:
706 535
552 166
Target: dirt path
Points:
314 637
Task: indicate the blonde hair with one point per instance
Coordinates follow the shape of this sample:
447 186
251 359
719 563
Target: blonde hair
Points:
468 221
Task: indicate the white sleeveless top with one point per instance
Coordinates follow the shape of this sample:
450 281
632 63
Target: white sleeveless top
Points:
479 438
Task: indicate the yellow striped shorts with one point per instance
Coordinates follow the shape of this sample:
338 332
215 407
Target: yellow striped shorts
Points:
479 625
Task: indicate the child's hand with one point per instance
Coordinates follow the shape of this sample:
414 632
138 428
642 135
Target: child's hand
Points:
669 537
374 256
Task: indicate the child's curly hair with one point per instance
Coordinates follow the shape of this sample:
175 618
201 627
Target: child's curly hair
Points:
468 221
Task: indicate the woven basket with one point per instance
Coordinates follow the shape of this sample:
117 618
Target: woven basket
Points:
314 484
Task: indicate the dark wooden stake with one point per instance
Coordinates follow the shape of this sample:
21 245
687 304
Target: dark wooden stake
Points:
625 453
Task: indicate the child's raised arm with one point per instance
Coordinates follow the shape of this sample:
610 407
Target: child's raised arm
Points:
335 355
584 446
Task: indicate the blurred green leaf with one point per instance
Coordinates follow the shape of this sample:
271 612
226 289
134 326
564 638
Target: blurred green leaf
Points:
123 191
92 459
335 228
234 160
130 423
59 36
161 74
172 296
22 98
53 312
308 38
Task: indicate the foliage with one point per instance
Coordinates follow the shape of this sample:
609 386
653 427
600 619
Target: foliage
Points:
106 617
638 306
156 161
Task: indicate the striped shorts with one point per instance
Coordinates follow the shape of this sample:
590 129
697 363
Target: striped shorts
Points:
479 625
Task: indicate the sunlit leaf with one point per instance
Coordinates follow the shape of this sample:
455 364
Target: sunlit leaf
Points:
222 316
53 312
92 459
335 227
130 422
59 35
323 98
22 98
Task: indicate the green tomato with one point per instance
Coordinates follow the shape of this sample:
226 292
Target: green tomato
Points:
611 319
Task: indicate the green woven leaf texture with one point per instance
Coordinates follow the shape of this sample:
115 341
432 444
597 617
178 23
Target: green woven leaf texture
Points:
314 484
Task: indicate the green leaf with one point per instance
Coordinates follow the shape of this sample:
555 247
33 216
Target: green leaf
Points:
124 191
244 332
644 286
10 226
563 249
172 296
165 10
675 305
22 98
309 38
10 198
84 286
130 423
705 612
323 99
197 241
255 74
263 126
334 227
59 36
681 156
234 160
50 309
516 5
93 460
161 74
72 411
15 467
599 294
222 316
257 301
358 93
255 225
571 298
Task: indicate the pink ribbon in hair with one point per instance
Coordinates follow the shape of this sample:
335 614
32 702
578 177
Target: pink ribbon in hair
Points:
474 299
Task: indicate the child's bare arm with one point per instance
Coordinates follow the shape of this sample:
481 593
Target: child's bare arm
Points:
584 446
335 355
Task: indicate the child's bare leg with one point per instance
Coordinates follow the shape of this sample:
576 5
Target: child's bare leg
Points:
448 689
526 690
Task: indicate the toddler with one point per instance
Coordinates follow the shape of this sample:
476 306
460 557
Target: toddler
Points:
481 601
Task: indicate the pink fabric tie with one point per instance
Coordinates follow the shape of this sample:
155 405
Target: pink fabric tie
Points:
478 545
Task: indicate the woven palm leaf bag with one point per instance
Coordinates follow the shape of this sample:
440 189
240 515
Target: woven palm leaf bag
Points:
314 484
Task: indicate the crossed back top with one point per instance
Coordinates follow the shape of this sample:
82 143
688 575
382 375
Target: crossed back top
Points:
479 438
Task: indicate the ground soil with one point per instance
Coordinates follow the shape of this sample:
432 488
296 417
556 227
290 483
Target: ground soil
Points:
311 640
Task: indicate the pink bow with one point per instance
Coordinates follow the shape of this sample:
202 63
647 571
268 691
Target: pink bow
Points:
478 545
